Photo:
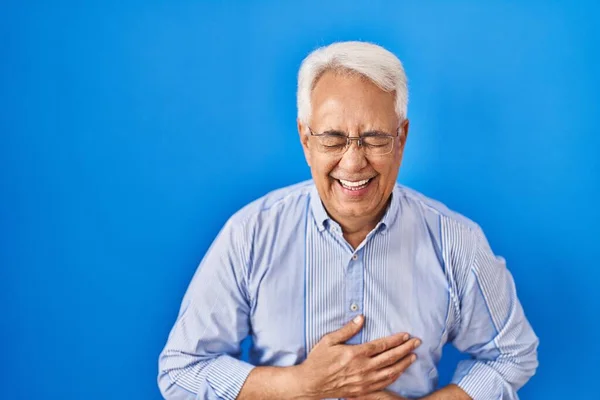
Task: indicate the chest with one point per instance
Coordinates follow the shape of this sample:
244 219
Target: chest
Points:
310 290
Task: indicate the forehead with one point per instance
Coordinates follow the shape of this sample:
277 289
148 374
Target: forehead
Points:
351 102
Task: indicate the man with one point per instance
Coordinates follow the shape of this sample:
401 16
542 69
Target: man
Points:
349 284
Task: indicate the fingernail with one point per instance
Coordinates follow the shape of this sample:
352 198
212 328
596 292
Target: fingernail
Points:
413 358
417 343
405 337
357 319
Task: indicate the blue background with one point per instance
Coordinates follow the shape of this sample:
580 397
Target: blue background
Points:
130 133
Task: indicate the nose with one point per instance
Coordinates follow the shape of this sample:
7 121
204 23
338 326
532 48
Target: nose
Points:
354 158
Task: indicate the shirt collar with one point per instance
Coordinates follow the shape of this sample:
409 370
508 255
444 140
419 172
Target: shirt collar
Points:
391 213
322 218
318 210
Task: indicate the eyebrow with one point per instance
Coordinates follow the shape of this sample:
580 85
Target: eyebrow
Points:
371 132
334 132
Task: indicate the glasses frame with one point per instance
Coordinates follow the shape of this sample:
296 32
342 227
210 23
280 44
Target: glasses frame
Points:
359 139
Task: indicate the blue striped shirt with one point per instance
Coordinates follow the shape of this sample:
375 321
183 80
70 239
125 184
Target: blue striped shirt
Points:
281 271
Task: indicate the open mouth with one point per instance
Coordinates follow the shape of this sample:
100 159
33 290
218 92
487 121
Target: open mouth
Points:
354 185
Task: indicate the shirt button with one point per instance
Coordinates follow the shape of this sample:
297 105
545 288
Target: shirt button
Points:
353 307
355 257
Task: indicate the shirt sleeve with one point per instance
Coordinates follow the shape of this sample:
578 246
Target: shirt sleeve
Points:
492 328
200 358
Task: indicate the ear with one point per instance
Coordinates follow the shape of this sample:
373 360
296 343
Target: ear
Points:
405 126
403 134
302 129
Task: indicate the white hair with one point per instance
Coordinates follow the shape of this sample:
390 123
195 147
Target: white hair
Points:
373 62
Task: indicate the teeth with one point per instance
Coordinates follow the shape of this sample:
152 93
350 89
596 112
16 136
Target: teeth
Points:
351 184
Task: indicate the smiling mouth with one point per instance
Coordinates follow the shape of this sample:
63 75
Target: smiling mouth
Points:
354 185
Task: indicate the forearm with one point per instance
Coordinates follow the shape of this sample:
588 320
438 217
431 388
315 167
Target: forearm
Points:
450 392
221 377
273 383
493 330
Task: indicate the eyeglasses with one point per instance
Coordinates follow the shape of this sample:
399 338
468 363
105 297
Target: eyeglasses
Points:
336 143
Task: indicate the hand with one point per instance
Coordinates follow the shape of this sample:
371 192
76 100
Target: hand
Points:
336 370
381 395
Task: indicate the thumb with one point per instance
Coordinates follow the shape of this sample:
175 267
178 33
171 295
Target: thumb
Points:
347 331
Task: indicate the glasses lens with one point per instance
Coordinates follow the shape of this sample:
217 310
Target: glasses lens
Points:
378 145
332 143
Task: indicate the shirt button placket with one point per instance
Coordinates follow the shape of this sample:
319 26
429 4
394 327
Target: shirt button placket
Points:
354 291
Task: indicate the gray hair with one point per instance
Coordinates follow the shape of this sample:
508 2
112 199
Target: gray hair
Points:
373 62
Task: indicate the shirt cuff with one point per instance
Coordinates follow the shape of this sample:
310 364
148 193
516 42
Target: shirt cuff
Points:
226 376
480 381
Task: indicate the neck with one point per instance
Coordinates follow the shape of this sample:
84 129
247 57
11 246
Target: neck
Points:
355 226
355 230
355 234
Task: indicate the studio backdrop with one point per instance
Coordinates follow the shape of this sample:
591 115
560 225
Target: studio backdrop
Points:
130 132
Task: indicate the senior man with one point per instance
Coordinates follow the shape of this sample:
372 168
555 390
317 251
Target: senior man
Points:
349 284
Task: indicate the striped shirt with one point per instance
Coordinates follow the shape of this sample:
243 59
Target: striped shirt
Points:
281 271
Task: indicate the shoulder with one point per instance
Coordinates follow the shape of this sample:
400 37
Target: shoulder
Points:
281 204
432 208
456 236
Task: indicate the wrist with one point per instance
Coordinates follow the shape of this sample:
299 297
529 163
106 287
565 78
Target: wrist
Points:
299 384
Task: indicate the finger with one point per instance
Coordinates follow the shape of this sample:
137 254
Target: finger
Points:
346 332
379 380
386 376
379 346
393 355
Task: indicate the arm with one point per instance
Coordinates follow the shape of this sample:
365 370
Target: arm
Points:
274 383
492 328
450 392
334 369
199 360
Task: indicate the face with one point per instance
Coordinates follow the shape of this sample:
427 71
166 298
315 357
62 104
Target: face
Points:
353 105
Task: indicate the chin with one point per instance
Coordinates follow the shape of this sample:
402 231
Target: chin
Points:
355 211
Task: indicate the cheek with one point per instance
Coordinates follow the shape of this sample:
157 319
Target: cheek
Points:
323 167
388 172
384 167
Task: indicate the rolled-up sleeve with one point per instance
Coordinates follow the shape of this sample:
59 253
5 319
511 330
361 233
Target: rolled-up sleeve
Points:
492 328
200 358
